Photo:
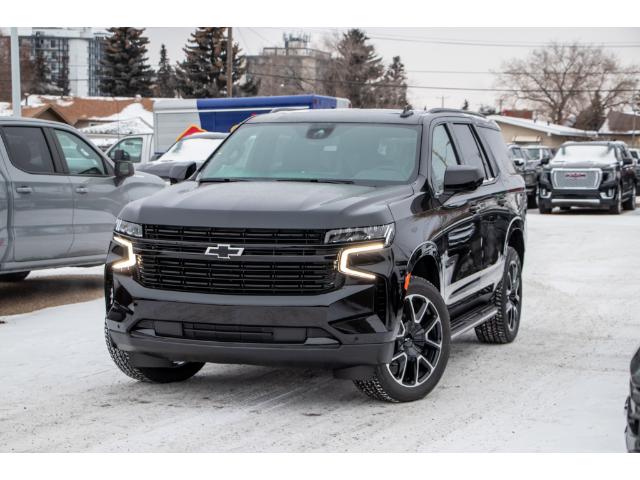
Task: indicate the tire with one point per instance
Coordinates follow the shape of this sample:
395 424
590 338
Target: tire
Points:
503 328
179 373
616 209
424 343
543 209
630 204
14 277
532 200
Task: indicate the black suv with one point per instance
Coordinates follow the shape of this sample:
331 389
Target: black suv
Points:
530 169
589 174
356 240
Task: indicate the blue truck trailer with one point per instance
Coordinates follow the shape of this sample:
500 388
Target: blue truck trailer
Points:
173 116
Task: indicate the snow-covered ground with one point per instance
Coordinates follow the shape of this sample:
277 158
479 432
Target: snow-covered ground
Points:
560 387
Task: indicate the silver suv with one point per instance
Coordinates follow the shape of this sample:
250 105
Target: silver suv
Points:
59 197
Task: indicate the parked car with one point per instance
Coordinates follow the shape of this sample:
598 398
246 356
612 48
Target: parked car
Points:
59 197
589 174
137 149
632 432
356 240
185 156
635 153
529 169
539 153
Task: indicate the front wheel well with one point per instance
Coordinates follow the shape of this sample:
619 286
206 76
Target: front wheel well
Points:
516 240
427 268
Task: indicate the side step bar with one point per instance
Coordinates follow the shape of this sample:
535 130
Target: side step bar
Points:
472 319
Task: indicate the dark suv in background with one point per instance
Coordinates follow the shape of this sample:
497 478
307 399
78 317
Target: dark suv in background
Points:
357 240
589 174
530 169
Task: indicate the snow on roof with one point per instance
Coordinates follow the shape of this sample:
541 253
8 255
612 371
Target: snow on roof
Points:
131 111
541 126
129 126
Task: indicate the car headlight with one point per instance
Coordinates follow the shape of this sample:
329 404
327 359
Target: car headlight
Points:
128 259
343 262
128 228
362 234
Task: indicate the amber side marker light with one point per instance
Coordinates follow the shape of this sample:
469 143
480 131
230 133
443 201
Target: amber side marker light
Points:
407 280
347 252
130 259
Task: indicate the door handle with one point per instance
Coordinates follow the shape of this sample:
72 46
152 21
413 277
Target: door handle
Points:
24 189
81 189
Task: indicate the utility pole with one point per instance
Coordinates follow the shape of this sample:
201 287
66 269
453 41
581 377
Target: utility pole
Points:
229 62
442 97
16 96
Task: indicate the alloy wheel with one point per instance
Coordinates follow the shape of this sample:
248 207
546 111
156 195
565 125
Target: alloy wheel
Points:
513 294
418 343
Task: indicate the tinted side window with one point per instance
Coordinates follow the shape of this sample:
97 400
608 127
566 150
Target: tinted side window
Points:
442 156
28 149
471 152
81 159
493 139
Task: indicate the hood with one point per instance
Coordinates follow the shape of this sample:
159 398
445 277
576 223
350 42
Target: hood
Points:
585 162
268 204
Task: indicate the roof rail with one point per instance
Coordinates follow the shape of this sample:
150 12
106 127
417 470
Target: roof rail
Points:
287 109
455 110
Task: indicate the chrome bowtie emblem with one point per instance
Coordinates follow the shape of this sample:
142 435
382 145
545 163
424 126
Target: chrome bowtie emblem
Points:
224 251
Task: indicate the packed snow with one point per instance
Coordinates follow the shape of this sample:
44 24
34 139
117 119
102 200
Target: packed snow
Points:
560 386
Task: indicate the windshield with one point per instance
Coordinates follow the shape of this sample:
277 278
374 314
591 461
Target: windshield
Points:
196 149
533 153
580 153
340 152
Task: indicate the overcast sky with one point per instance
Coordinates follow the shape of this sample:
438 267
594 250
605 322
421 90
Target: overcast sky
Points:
420 50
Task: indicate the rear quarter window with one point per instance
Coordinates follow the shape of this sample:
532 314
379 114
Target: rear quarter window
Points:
493 140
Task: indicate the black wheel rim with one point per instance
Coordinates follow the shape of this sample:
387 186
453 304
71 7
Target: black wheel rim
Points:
418 344
513 294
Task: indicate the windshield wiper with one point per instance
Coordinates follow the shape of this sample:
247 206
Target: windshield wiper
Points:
315 180
222 180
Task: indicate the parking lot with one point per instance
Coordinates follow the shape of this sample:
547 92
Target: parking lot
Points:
560 387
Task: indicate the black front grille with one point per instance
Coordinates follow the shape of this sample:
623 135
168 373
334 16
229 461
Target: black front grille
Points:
274 261
239 236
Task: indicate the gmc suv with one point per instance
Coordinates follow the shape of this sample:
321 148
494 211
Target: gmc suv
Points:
589 174
362 241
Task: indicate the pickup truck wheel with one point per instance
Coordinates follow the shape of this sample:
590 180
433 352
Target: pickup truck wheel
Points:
630 204
503 328
421 348
14 277
616 209
178 373
543 209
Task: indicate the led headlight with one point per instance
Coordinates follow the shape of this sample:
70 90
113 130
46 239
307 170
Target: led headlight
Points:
361 234
128 228
343 263
128 259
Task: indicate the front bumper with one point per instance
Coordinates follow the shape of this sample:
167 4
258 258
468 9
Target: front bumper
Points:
576 198
338 329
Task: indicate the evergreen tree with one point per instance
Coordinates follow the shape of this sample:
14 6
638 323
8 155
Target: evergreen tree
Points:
63 77
166 77
465 105
203 73
392 91
125 70
592 117
355 70
40 83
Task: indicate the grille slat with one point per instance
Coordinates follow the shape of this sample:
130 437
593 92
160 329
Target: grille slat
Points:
576 178
274 262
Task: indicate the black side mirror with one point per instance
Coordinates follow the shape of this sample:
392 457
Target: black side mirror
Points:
518 162
120 155
545 160
460 178
627 160
124 169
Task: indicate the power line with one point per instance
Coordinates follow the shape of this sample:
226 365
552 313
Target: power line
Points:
433 87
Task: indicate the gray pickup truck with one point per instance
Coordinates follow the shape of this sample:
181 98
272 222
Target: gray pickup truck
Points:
59 197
